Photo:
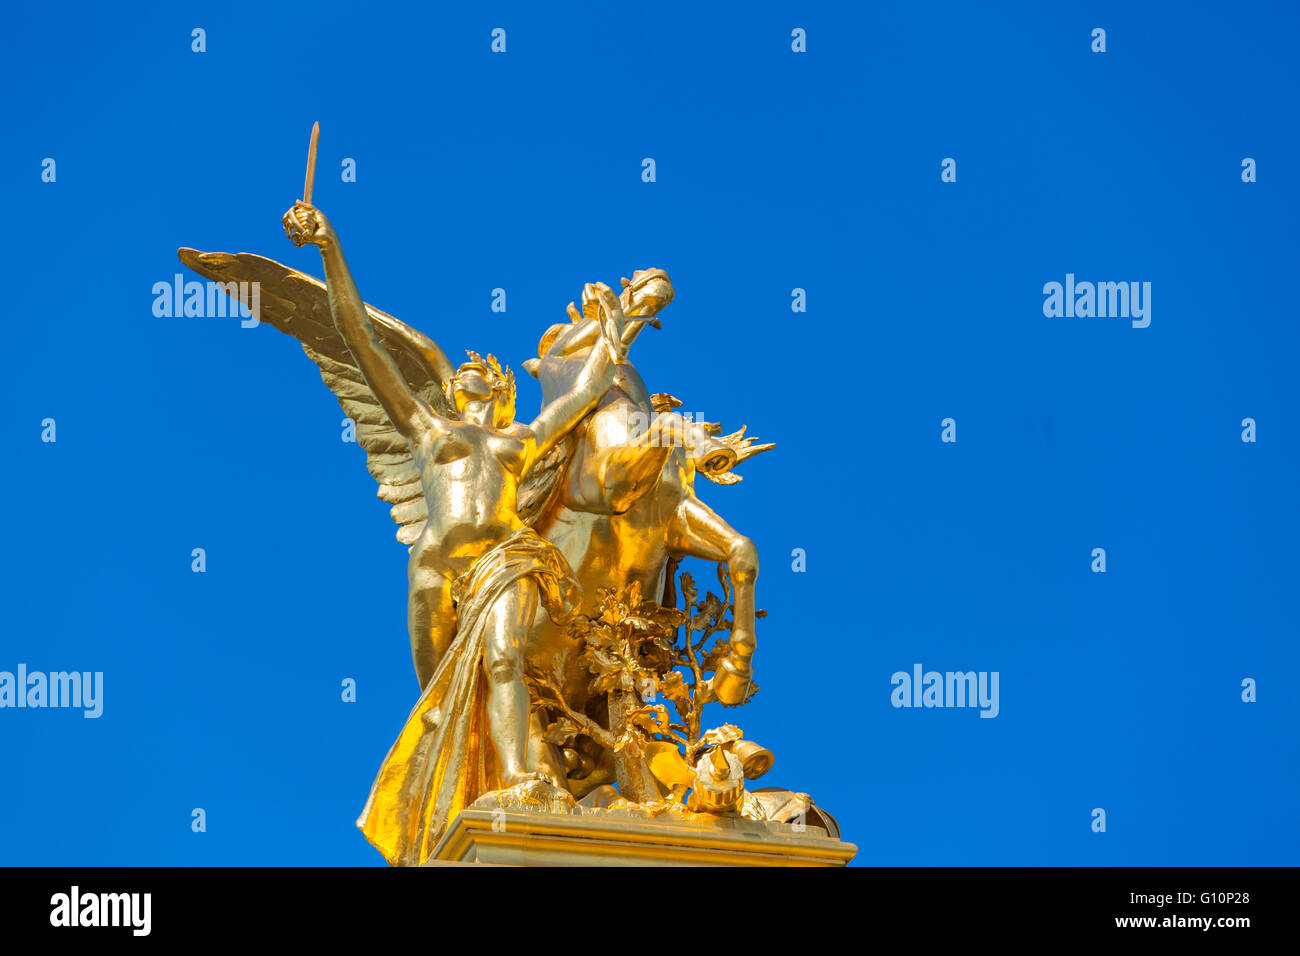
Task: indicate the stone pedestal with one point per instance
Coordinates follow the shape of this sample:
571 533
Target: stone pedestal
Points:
523 838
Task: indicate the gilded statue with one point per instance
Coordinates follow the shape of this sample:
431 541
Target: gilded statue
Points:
543 561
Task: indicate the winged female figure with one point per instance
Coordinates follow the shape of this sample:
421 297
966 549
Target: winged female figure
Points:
456 465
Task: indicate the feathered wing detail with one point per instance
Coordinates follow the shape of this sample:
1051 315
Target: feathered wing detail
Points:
298 305
540 482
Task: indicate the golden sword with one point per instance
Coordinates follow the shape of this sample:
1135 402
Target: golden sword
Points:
311 163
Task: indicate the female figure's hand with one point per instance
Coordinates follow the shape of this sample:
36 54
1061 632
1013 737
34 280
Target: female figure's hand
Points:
305 224
612 322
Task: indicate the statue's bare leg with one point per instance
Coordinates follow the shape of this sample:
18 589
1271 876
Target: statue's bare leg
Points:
430 618
509 621
698 532
543 756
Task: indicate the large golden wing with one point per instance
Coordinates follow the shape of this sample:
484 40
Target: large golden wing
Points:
298 305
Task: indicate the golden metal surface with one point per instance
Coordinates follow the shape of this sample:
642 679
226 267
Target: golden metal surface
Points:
480 836
311 163
557 673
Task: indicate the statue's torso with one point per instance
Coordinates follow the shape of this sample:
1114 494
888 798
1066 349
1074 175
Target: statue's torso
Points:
470 477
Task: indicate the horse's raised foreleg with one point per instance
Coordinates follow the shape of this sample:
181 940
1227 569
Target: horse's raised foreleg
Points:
698 532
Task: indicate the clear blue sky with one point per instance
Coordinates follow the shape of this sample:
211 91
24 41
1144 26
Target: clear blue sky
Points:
775 171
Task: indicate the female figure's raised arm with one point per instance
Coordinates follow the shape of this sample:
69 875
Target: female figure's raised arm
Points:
409 414
593 381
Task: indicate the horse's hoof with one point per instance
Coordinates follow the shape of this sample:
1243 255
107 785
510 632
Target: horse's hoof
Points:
731 682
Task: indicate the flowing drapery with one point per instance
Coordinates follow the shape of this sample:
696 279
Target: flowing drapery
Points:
444 758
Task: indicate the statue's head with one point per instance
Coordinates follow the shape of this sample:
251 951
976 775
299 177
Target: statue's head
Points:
483 392
647 293
644 295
